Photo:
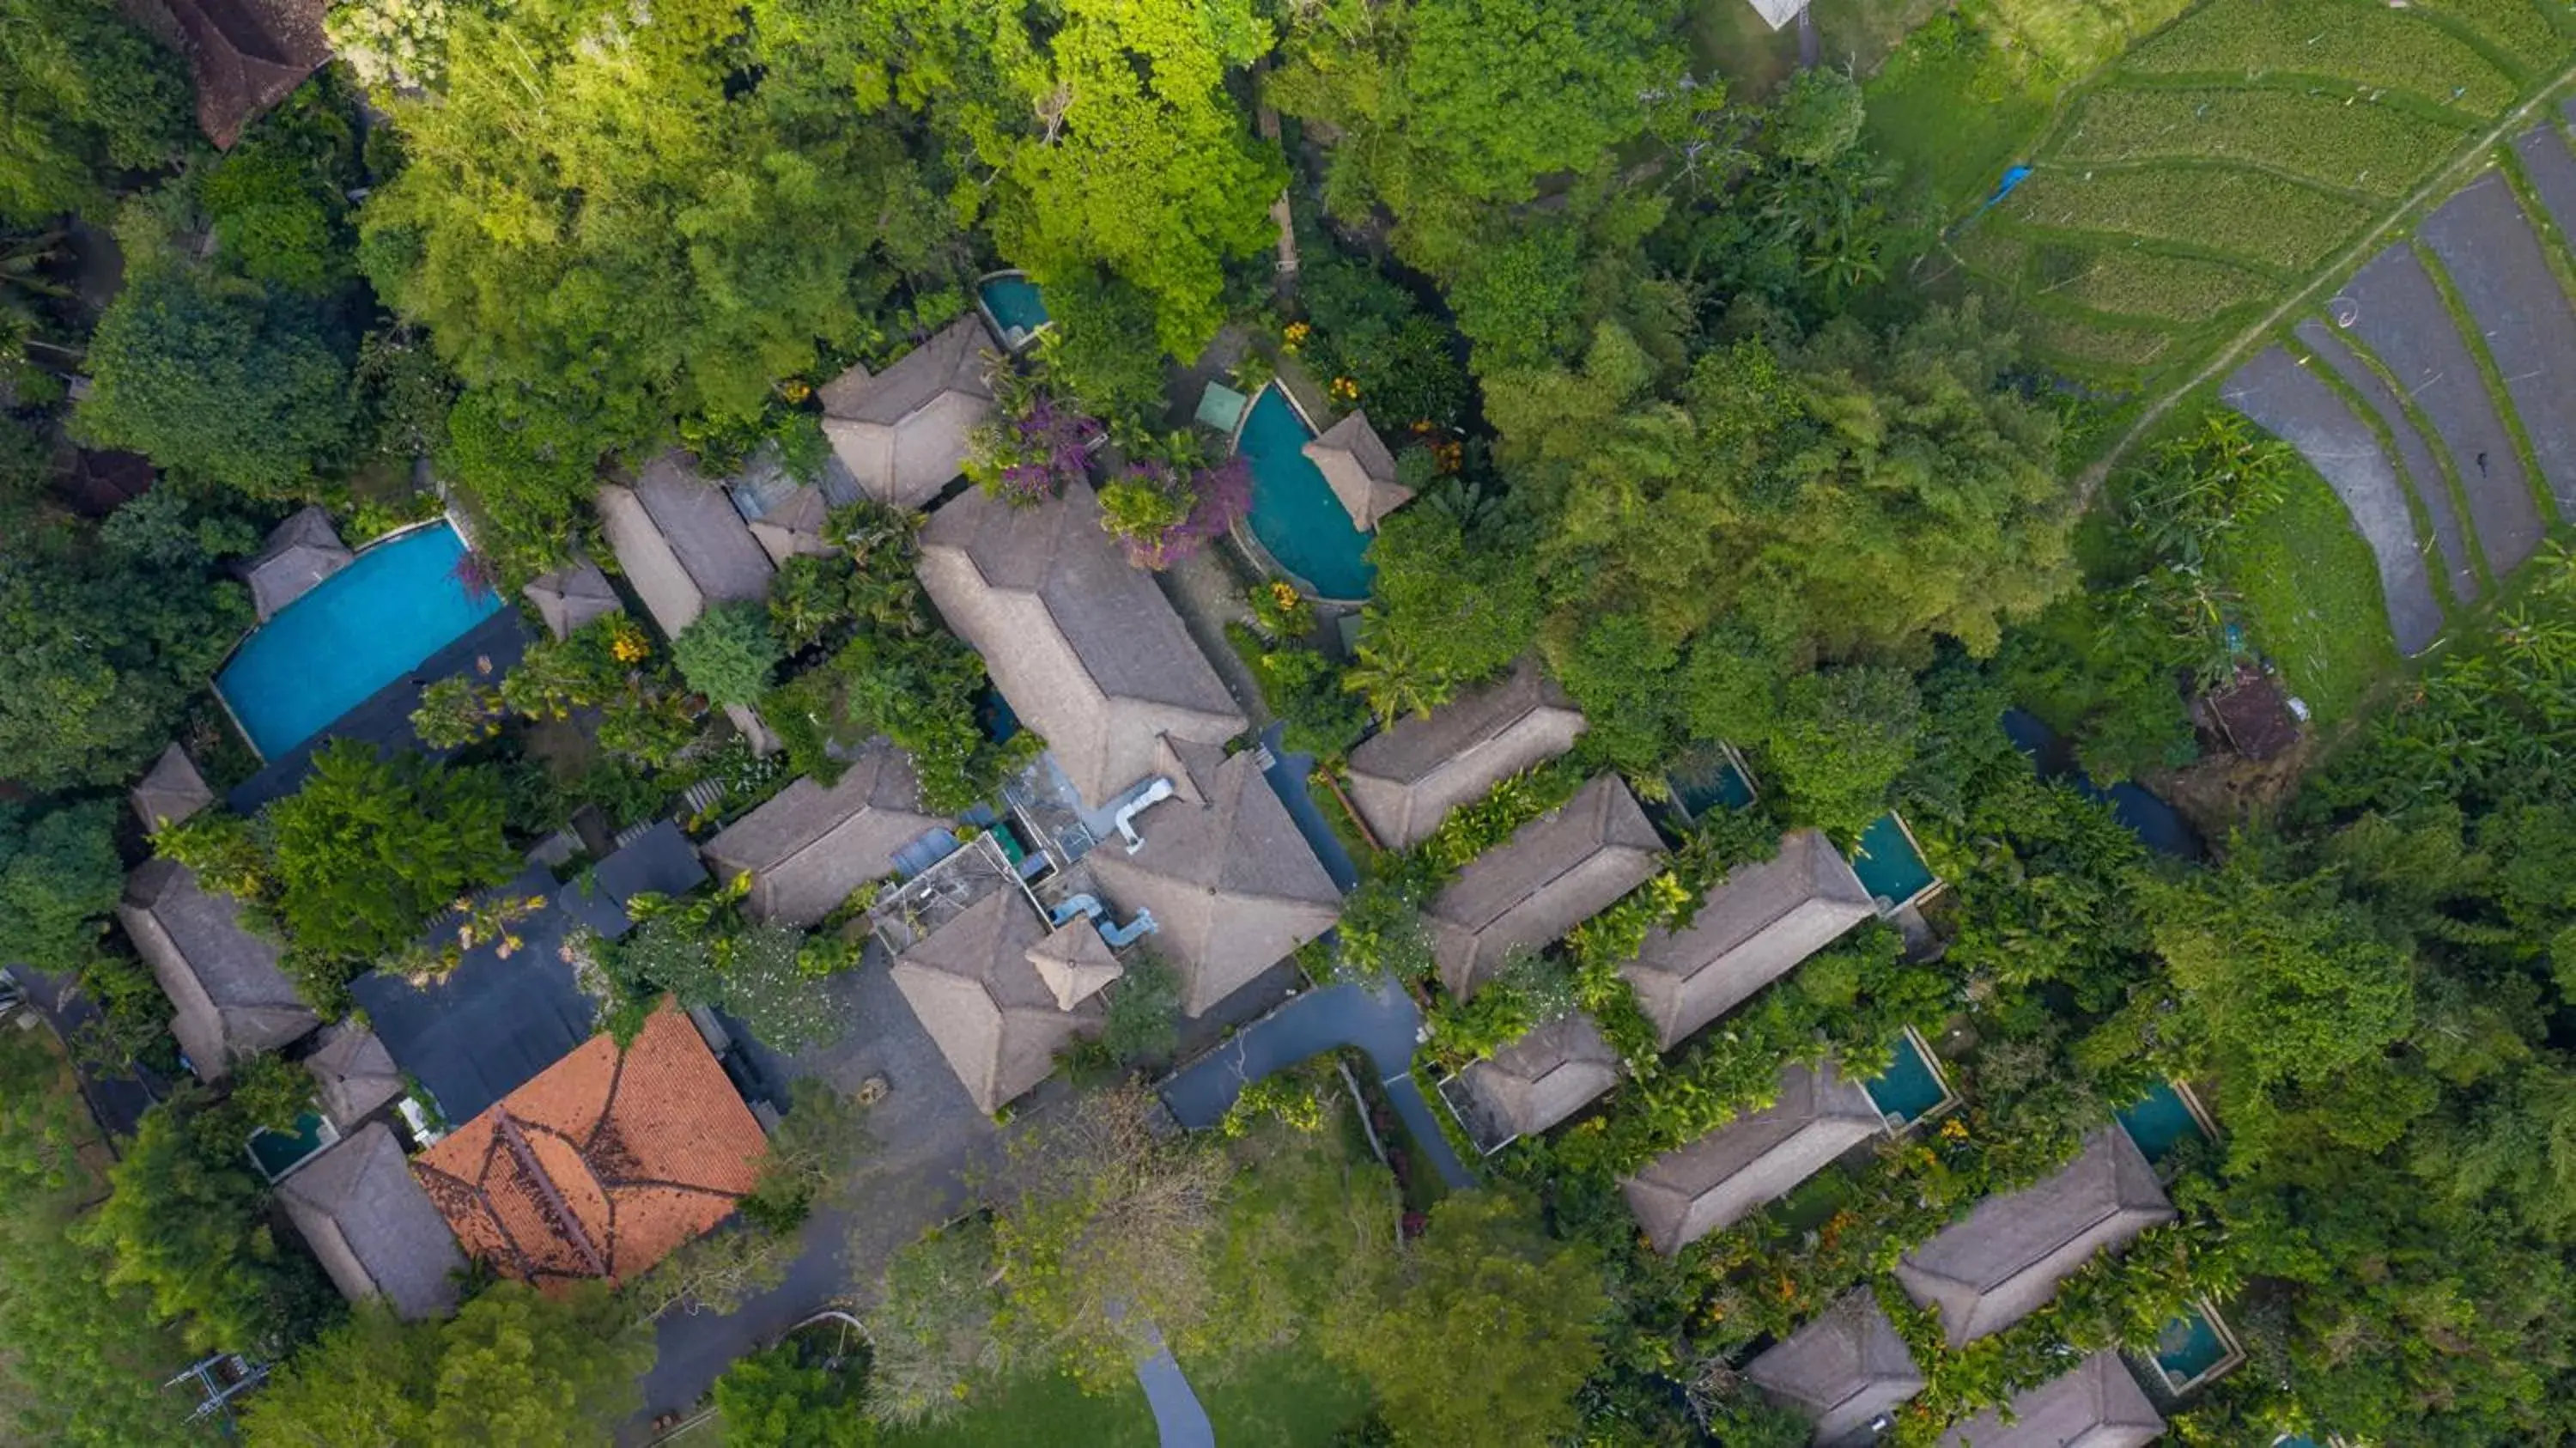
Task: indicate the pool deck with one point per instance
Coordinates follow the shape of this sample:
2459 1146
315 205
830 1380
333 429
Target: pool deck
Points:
383 718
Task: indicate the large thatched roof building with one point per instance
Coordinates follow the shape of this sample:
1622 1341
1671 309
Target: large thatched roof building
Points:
1750 931
1555 872
1754 1160
2004 1260
1405 779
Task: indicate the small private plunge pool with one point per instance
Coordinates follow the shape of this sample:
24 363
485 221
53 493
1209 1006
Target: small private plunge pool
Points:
1012 304
2162 1122
355 632
280 1152
1294 513
1707 778
1889 865
2194 1349
1913 1087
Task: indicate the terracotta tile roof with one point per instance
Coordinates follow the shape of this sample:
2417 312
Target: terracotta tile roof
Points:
603 1164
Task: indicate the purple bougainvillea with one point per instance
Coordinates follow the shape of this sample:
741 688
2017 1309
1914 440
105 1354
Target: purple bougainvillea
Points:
1218 497
1043 446
475 574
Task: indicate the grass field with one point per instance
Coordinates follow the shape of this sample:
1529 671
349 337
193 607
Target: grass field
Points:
2344 141
2352 40
2131 283
2311 598
1288 1399
2250 214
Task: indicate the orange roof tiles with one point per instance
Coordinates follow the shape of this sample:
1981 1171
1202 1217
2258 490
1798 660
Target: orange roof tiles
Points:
602 1165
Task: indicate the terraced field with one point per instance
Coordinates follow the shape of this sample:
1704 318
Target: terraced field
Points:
2432 393
2213 168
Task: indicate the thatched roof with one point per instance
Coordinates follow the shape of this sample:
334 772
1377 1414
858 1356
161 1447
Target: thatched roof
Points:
1752 930
2004 1260
1718 1180
1547 1075
1845 1370
1556 872
245 55
810 845
299 554
572 596
1233 885
1085 647
170 791
993 1015
1355 462
230 999
1406 778
2099 1405
904 432
681 543
1075 963
375 1230
796 524
353 1074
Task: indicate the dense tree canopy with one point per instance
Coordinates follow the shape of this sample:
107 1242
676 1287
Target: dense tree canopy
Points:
370 848
88 94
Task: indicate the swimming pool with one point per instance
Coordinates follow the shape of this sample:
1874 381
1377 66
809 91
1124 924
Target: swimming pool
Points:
2160 1123
2193 1348
280 1152
360 629
1707 779
1294 512
1887 863
1012 301
1912 1087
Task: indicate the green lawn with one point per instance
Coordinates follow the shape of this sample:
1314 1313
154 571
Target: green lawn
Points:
1042 1409
1285 1399
1728 37
2311 598
1954 112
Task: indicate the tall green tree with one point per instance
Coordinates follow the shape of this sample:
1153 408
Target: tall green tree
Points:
59 881
89 95
371 848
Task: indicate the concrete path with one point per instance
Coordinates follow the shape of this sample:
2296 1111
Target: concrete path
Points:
1178 1414
2423 470
1381 1021
2278 394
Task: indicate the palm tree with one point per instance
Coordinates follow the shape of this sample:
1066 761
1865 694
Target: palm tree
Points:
1390 676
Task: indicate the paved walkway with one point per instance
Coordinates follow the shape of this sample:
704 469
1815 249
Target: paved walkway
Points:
1382 1022
1178 1414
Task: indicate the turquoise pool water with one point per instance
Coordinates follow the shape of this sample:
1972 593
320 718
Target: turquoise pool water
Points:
2188 1347
1294 512
2160 1123
1910 1087
1888 865
1014 303
1708 780
276 1151
363 628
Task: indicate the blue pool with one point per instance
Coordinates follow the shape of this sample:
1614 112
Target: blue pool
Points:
1707 779
1294 512
2189 1347
1909 1088
362 628
2160 1123
1887 863
279 1152
1012 301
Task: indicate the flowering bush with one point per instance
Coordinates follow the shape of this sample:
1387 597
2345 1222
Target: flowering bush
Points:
398 43
1163 517
1039 443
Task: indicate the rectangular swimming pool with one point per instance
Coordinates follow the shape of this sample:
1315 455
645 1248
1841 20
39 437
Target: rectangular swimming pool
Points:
1911 1087
2160 1123
358 630
1887 863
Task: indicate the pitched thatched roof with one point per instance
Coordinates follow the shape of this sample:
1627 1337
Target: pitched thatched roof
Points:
1556 872
993 1015
170 791
1233 885
2004 1260
795 524
373 1227
353 1074
1086 649
299 554
1406 778
1762 921
681 543
231 1000
572 596
1845 1370
602 1165
903 433
1355 462
1075 963
2099 1405
245 55
810 845
1716 1181
1547 1075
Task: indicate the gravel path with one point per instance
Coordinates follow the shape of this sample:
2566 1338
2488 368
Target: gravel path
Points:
2503 279
2432 485
2401 317
2278 393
